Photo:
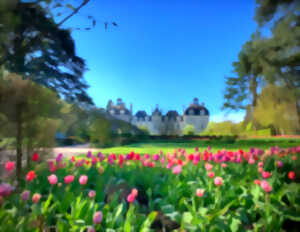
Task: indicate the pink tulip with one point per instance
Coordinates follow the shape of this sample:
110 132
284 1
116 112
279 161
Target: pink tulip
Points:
83 179
92 194
218 181
36 198
91 229
134 192
251 161
208 166
211 174
257 182
69 179
25 195
5 189
131 198
266 175
97 218
177 169
279 164
52 179
9 166
223 165
260 164
200 192
266 186
155 157
59 158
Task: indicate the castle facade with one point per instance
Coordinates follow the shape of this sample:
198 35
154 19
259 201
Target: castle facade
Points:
171 123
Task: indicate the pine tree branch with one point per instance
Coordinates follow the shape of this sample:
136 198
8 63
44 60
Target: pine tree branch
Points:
74 12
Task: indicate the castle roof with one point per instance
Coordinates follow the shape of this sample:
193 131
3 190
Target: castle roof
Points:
172 114
141 114
120 110
156 112
196 110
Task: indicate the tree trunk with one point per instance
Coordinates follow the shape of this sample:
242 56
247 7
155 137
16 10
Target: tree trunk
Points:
298 112
28 151
19 144
253 89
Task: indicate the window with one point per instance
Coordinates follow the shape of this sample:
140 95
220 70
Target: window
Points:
191 112
122 111
112 111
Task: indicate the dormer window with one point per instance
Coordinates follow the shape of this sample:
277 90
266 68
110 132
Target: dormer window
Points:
112 111
122 111
202 112
191 112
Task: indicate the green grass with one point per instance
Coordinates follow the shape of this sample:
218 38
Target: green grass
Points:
154 146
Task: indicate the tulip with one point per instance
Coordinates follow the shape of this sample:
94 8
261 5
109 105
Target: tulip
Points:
266 175
30 176
257 182
9 166
200 192
279 164
97 218
131 198
25 195
91 229
92 194
83 179
52 179
211 174
208 166
69 179
5 189
177 169
35 157
266 186
291 175
36 198
218 181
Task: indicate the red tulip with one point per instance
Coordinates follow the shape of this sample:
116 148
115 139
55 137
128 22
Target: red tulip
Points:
30 176
35 157
9 166
291 175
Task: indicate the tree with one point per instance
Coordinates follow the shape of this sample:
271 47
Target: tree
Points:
273 59
223 128
276 109
23 102
36 47
101 132
242 90
189 130
281 52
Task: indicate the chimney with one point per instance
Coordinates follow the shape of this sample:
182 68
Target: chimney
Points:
131 108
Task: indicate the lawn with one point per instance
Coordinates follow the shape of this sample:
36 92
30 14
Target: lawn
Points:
154 146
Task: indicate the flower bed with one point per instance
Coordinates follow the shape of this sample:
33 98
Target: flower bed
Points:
253 190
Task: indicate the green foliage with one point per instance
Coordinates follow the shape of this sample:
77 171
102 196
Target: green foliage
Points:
28 109
165 201
189 130
34 46
223 128
144 129
101 132
276 108
268 60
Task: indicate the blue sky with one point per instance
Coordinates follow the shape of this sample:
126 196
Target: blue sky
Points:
163 52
